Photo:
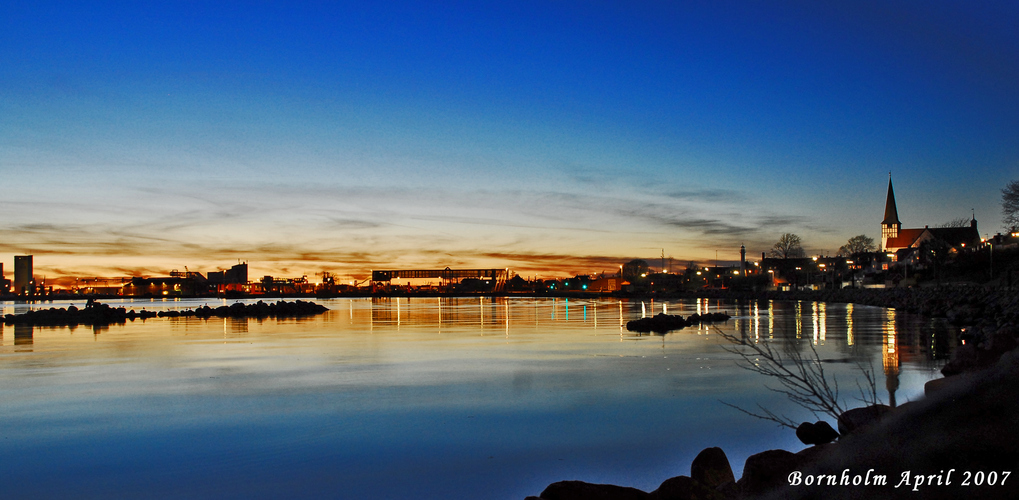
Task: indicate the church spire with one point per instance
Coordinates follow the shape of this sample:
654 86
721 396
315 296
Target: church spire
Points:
890 226
891 214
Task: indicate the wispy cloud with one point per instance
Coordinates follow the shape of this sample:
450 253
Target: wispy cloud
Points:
354 229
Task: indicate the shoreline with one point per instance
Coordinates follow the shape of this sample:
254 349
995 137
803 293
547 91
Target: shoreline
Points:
964 423
962 305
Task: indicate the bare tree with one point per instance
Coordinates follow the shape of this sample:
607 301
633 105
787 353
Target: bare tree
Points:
789 245
960 222
857 244
802 380
1010 205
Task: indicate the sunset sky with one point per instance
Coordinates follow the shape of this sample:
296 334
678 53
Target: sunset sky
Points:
546 137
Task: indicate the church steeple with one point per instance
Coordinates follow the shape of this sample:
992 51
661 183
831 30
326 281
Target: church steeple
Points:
890 225
891 214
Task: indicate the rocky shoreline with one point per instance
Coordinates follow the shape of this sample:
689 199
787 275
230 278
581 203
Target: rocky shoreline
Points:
949 444
96 314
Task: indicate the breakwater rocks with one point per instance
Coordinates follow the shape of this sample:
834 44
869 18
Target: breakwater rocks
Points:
662 322
96 314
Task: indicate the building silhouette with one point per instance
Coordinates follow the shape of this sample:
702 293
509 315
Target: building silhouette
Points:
895 239
24 284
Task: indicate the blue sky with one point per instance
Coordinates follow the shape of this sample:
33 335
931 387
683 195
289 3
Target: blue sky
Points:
309 136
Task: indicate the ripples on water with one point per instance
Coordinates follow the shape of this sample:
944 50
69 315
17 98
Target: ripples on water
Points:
414 398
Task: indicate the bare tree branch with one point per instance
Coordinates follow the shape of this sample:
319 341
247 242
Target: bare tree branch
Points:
803 380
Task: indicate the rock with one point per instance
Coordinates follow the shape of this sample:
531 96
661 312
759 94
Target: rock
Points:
904 406
711 468
935 385
660 322
813 453
857 418
579 490
767 470
1000 342
816 433
685 488
964 358
729 490
675 488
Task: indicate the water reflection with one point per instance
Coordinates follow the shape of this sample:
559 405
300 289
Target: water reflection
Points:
840 331
372 391
23 338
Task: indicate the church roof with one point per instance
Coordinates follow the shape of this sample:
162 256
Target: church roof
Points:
953 236
891 214
906 238
956 236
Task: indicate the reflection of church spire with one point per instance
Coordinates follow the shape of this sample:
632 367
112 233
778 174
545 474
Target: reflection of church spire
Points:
890 225
890 360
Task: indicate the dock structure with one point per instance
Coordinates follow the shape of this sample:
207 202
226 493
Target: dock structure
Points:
382 279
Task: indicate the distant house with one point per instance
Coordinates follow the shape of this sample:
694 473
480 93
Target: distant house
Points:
895 240
604 284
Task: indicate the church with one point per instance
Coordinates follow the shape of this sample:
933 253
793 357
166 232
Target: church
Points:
900 241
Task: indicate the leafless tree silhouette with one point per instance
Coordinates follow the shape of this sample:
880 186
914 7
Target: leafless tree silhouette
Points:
802 380
789 245
1010 205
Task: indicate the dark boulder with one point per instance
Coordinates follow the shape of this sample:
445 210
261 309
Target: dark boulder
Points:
964 358
579 490
858 418
767 470
711 468
820 432
660 322
938 384
816 452
685 488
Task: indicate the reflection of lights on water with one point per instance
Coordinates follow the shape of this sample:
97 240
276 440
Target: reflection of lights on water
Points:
820 322
890 360
849 324
771 319
799 320
757 322
814 321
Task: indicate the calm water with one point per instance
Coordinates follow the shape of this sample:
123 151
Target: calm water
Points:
421 398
